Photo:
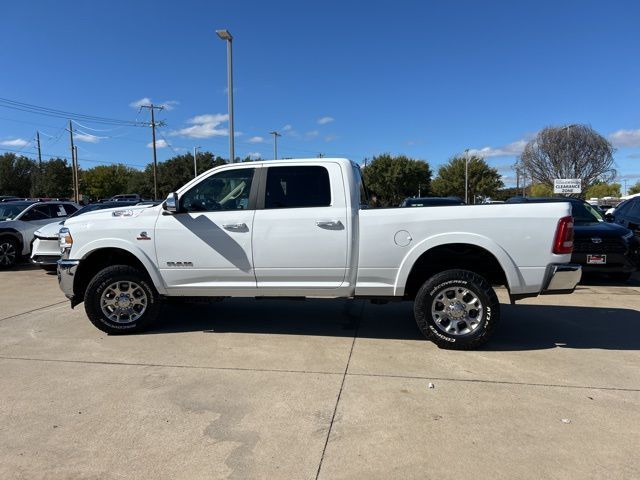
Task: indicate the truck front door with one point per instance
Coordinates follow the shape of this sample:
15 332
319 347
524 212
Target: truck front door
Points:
205 248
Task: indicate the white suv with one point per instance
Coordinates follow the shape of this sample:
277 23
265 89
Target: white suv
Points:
18 222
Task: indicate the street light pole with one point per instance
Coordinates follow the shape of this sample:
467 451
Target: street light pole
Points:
195 163
466 176
226 36
275 143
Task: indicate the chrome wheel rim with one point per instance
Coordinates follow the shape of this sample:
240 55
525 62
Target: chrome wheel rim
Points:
7 253
457 310
123 301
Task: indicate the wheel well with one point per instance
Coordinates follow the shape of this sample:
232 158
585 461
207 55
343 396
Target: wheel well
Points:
456 255
15 236
98 260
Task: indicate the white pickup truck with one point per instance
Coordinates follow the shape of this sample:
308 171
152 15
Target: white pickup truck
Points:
300 228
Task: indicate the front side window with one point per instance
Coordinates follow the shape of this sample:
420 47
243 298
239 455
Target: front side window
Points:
297 187
228 190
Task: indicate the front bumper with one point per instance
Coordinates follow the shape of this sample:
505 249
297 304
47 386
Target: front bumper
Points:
66 272
562 278
45 259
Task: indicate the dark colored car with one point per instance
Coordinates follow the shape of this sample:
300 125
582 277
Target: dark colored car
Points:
431 202
598 246
627 214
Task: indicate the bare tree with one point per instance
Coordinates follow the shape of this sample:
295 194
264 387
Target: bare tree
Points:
571 151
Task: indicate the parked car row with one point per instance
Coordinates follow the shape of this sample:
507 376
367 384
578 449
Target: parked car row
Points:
30 228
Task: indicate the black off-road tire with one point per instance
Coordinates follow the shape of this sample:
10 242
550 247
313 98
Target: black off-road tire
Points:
9 247
108 276
466 280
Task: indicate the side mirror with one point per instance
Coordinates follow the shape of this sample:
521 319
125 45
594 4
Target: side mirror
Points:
608 217
171 203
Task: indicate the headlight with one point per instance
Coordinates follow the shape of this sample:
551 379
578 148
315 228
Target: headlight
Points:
65 240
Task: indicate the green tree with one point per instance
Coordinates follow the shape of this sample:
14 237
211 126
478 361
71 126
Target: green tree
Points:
603 189
104 181
52 178
392 179
540 190
176 171
15 174
634 189
484 181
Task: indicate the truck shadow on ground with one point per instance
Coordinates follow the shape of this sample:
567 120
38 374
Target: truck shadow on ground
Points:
522 327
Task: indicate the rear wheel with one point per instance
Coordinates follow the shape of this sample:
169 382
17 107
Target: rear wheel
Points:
121 299
8 252
457 309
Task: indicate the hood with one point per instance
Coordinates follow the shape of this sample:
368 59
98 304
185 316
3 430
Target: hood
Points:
599 229
126 211
50 230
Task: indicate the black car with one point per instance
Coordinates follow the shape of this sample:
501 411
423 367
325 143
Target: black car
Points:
627 214
598 246
431 201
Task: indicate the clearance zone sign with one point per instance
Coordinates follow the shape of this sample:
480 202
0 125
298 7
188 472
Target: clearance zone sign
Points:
567 185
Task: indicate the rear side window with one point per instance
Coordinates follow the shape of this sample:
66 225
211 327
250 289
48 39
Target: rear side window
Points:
297 187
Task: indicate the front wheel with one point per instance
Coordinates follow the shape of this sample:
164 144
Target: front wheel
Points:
8 252
457 309
121 299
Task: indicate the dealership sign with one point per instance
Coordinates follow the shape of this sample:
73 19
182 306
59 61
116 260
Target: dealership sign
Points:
567 185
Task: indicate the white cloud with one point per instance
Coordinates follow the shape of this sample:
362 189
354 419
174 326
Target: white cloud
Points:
170 104
325 120
287 128
256 140
330 138
16 142
162 143
255 155
204 126
167 105
625 138
139 103
510 150
87 137
312 134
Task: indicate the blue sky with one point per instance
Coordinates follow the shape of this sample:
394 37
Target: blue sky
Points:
355 79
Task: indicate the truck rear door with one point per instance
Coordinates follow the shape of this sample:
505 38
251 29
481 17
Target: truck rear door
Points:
300 237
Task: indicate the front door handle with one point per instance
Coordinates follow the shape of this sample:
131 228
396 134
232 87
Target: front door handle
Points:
235 227
330 224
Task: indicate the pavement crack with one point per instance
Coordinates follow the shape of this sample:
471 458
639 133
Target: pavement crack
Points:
496 382
344 376
164 365
34 310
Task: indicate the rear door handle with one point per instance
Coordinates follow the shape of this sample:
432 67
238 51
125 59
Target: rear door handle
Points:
235 227
329 223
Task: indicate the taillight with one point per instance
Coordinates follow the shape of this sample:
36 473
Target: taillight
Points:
563 243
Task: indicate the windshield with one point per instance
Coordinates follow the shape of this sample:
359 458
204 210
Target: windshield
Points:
9 212
585 213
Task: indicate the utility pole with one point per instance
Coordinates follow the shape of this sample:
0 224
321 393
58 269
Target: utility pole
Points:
275 143
152 109
73 163
76 174
195 163
466 176
39 151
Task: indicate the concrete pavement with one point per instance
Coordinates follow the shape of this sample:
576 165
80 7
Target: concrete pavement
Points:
328 389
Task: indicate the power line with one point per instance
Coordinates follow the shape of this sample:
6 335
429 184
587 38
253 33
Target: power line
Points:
52 112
